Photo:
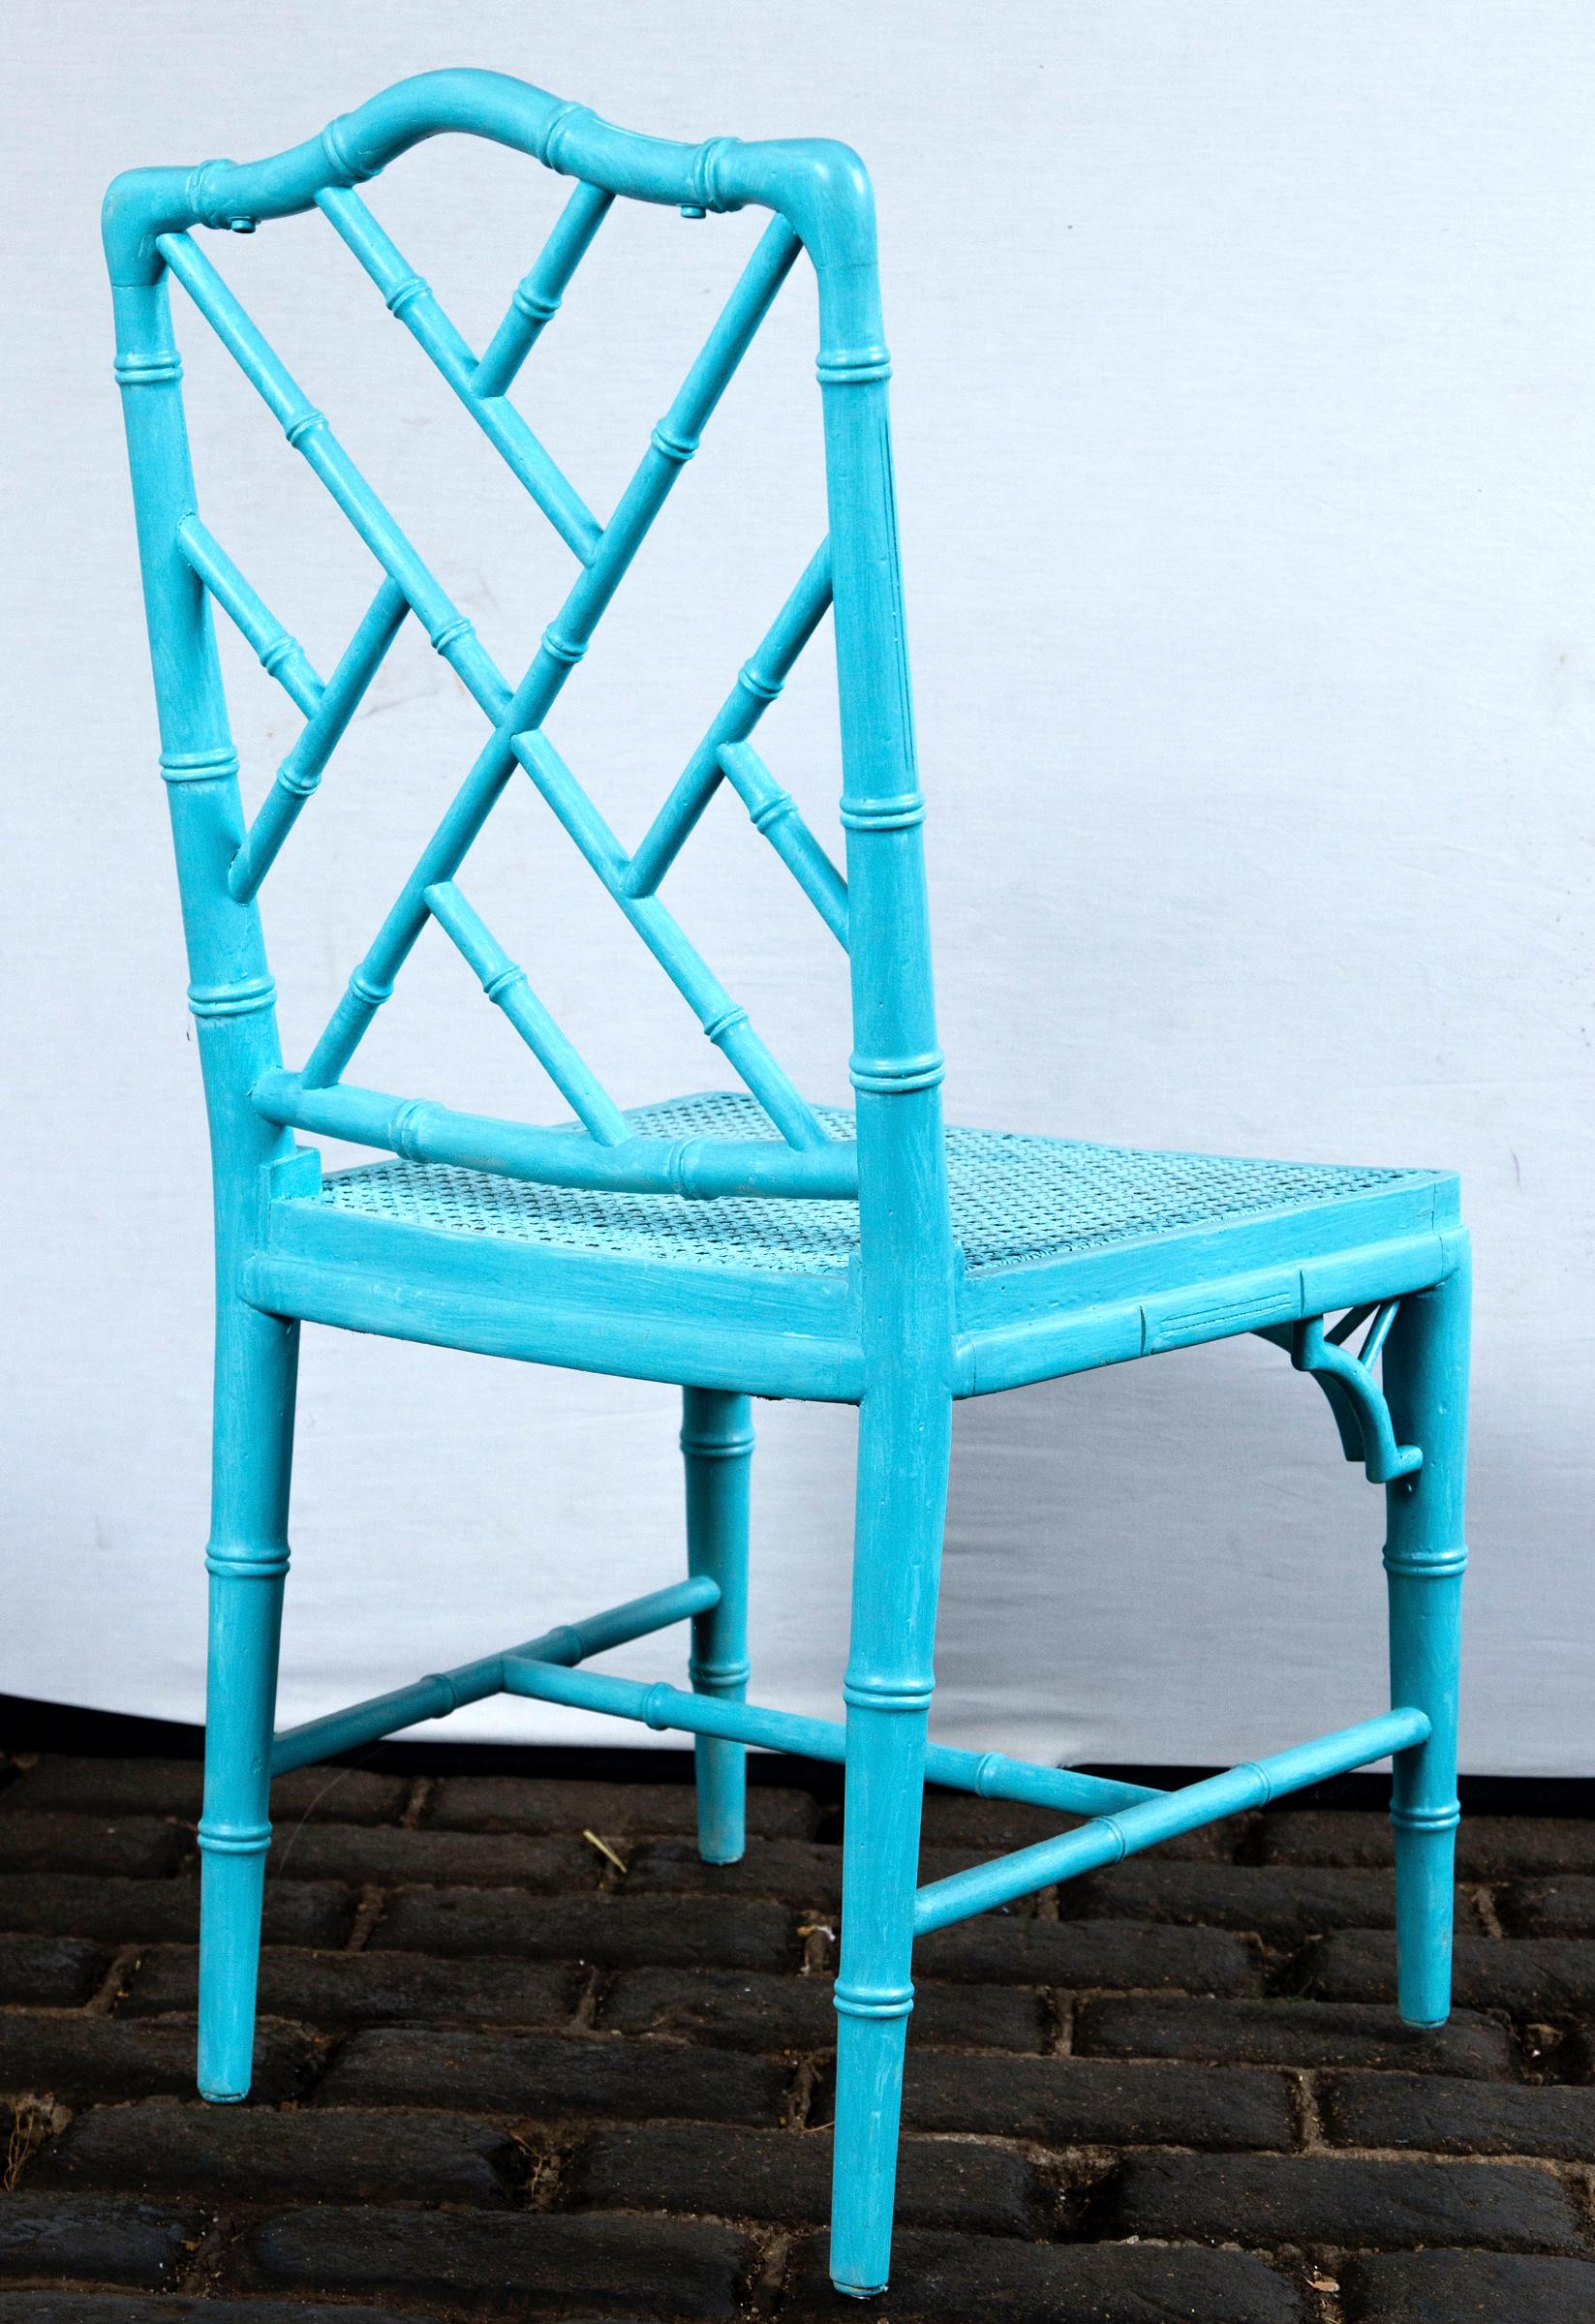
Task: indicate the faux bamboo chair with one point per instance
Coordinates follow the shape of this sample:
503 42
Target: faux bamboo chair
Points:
736 1244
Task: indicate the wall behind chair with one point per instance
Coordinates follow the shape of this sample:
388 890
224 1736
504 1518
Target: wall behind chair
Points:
1243 364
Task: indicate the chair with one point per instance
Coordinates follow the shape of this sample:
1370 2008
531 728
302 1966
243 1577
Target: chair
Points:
738 1244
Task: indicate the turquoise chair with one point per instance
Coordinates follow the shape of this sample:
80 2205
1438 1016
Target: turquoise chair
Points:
744 1243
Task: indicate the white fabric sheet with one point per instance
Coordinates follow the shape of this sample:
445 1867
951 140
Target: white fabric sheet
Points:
1243 364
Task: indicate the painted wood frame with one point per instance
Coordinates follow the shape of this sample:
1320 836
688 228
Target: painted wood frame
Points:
903 1331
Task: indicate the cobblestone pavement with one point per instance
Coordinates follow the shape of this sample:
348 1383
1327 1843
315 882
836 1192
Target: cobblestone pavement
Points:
523 2056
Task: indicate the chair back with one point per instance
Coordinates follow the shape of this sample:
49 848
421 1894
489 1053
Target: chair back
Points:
822 207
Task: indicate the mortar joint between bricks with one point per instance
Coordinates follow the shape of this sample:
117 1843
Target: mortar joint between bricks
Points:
1566 2174
800 2097
201 2270
1320 2282
114 1984
1579 2182
1483 1897
1285 1977
1060 2008
36 2119
547 2160
818 1936
586 2012
767 2277
319 2050
415 1804
1310 2123
367 1913
1249 1833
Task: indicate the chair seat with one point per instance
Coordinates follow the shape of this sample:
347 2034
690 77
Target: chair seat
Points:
1015 1200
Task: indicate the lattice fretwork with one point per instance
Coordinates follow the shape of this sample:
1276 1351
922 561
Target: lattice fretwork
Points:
516 715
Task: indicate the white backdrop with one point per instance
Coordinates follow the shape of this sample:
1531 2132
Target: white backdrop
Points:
1243 364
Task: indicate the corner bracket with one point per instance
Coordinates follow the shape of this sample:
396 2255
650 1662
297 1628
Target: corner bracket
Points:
1346 1377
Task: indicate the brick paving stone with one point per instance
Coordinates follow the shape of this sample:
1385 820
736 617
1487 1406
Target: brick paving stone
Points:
134 1847
1489 1848
1091 1954
517 1803
388 1856
809 1873
781 2175
607 2264
1527 1976
1291 2032
51 1970
1467 2287
746 2011
1554 1908
994 1826
524 2098
951 2278
616 1932
1297 2199
253 2153
98 2237
349 1989
163 1912
1097 2101
804 1872
173 1787
1284 1905
1460 2118
82 2058
40 2306
550 2077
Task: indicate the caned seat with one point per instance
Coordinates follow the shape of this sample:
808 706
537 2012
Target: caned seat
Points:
1014 1199
746 1241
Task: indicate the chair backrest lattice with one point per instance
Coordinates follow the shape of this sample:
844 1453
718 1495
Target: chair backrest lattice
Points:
151 216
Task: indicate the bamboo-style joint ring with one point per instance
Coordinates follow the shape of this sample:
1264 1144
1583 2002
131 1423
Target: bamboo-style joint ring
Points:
244 999
237 1565
413 287
1443 1819
344 168
1444 1567
199 766
202 197
865 2000
884 1695
563 649
705 178
897 1076
559 129
899 814
135 370
409 1129
778 803
719 1027
536 305
718 1447
235 1838
852 366
754 681
718 1675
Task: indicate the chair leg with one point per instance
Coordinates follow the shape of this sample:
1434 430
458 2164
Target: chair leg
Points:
257 1357
716 1444
897 1557
1425 1378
